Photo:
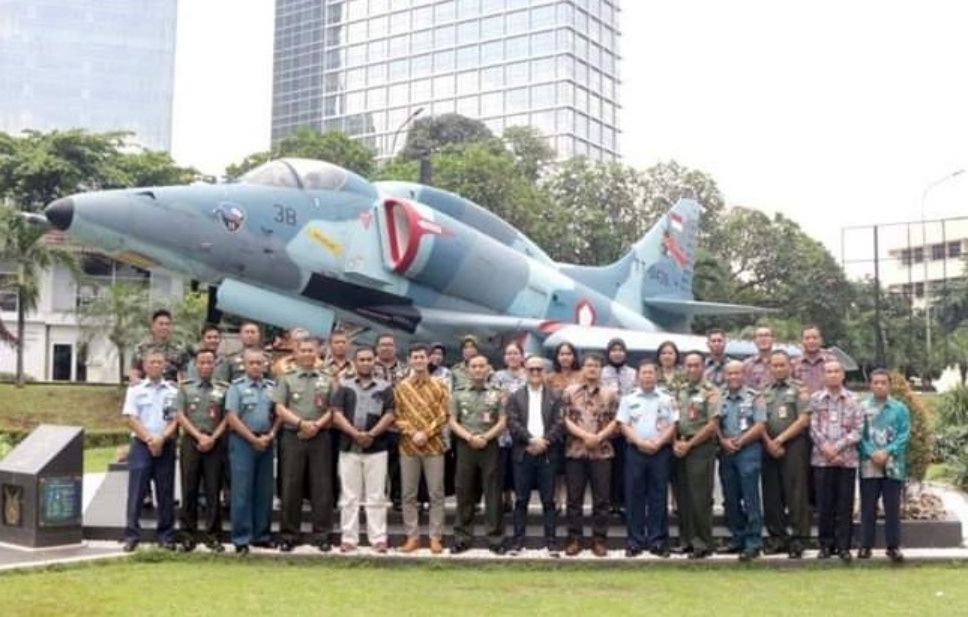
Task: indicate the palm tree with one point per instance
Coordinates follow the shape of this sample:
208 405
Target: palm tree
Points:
22 245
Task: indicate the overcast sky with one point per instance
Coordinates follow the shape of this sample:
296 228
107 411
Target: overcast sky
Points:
835 113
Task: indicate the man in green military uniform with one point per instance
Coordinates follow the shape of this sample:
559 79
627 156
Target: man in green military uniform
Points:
303 400
786 460
200 406
250 335
176 356
477 419
695 452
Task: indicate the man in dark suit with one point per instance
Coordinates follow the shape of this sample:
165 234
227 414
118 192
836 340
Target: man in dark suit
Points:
537 429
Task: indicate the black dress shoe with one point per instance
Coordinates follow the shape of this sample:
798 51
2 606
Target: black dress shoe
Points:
895 555
795 553
242 549
660 551
864 553
264 544
497 549
188 546
130 546
845 555
286 546
700 553
825 553
459 547
324 546
633 551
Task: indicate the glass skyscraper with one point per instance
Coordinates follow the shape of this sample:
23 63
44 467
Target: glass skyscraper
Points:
364 66
99 65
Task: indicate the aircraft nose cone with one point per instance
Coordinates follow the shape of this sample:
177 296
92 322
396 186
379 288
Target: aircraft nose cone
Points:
60 213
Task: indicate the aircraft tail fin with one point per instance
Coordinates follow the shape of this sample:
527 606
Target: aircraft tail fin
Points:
655 276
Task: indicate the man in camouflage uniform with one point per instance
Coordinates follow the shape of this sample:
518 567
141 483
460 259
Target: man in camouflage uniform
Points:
786 460
201 407
176 356
717 359
695 452
741 429
250 335
303 400
477 418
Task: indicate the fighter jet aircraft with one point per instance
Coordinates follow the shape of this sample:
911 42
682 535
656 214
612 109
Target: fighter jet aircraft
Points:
305 243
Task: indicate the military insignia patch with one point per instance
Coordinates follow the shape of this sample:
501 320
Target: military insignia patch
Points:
232 216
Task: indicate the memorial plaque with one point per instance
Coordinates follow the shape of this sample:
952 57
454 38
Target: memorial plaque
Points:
41 485
60 501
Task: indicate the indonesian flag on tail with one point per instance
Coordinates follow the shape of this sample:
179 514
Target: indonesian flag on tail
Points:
674 251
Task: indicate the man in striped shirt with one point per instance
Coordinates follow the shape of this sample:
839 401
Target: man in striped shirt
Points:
423 410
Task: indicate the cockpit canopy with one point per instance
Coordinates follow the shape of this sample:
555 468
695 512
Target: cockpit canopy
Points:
298 174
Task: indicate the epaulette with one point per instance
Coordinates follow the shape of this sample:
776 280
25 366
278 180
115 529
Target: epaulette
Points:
220 383
239 379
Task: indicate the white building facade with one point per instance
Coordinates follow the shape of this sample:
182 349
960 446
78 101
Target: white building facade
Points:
56 346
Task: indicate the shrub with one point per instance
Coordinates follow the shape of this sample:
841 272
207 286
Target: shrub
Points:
920 452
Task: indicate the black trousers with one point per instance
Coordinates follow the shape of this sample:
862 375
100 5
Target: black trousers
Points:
617 495
535 472
835 502
579 473
201 469
302 457
871 489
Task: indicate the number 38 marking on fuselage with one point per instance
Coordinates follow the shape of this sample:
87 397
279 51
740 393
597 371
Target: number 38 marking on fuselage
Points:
285 215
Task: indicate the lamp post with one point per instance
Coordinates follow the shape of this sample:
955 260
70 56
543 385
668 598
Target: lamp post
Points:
926 255
393 146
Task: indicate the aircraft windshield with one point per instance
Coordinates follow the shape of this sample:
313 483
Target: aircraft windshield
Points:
298 173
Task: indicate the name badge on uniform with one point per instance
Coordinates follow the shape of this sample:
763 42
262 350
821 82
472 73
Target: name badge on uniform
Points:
744 423
486 417
212 410
781 412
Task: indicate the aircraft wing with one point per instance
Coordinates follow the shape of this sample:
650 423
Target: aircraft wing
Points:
696 307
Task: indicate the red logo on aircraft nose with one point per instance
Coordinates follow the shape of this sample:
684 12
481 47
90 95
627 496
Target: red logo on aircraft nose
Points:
365 219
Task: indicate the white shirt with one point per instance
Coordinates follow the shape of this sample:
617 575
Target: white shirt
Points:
535 418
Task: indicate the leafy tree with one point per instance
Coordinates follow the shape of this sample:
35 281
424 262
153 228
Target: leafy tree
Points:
22 245
531 151
332 146
430 134
118 313
149 168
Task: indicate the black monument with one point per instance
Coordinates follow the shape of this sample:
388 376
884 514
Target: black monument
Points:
41 484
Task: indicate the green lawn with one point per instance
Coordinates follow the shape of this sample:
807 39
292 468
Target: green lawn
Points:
96 460
96 408
226 586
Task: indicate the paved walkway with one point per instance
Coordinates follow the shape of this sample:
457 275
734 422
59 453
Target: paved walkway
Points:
18 558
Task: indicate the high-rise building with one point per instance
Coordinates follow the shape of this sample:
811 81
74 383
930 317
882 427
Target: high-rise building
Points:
365 66
99 65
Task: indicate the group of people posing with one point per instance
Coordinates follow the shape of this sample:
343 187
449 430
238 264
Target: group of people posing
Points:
349 425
